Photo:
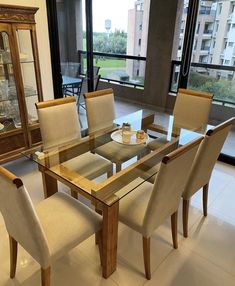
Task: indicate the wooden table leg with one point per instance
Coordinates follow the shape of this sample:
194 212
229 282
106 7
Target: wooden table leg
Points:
110 237
49 184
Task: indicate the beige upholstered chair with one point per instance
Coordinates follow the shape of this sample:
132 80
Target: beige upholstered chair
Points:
191 111
47 231
202 167
59 124
149 205
192 108
100 115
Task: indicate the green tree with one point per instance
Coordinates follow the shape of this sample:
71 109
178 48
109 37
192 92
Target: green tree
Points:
222 88
114 43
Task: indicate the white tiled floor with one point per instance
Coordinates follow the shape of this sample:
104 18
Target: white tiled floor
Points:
205 258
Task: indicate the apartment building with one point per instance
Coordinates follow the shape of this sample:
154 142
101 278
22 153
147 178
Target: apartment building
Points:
137 33
214 40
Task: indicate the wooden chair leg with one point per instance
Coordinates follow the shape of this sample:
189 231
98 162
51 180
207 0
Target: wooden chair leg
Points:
100 244
118 167
185 217
46 276
205 199
74 194
109 173
174 217
13 256
146 252
97 233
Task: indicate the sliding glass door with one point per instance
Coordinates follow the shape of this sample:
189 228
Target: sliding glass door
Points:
207 62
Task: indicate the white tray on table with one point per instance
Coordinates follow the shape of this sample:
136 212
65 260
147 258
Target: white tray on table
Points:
117 137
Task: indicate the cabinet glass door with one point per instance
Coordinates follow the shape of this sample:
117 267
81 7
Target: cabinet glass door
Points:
27 63
9 108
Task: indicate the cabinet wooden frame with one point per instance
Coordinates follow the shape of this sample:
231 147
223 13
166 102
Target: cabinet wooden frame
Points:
12 19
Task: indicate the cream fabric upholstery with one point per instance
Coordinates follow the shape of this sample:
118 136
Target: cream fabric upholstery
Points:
77 222
157 143
100 112
89 165
51 229
191 111
149 205
119 153
205 159
21 220
59 124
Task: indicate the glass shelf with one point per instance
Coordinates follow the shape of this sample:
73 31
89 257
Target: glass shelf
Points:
5 63
8 124
22 62
12 98
27 62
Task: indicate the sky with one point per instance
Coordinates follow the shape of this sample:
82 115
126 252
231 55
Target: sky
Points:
115 10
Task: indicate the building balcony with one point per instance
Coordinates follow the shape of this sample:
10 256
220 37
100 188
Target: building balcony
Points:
231 18
205 48
208 32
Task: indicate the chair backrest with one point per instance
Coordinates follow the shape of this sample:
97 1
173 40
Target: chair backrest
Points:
192 108
96 81
169 185
71 69
206 157
95 71
100 109
59 122
20 217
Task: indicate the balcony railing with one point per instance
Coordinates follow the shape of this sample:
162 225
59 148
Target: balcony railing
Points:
208 78
123 69
207 75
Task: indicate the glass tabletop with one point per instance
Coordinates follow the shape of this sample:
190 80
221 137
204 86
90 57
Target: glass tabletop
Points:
68 80
61 161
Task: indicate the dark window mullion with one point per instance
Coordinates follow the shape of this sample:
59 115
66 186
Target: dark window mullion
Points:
188 42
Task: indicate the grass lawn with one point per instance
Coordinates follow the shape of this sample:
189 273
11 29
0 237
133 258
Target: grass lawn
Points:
108 63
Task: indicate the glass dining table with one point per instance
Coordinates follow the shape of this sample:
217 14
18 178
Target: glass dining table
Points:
105 193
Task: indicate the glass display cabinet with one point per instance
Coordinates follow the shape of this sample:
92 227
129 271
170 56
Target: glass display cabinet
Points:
20 81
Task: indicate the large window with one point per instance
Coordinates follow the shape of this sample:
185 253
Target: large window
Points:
72 31
211 63
120 27
213 52
216 38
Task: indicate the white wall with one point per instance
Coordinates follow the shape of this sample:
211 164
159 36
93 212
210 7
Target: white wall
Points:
43 42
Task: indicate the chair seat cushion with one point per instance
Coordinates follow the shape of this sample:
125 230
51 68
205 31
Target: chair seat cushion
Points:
66 222
157 143
89 165
133 206
119 153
